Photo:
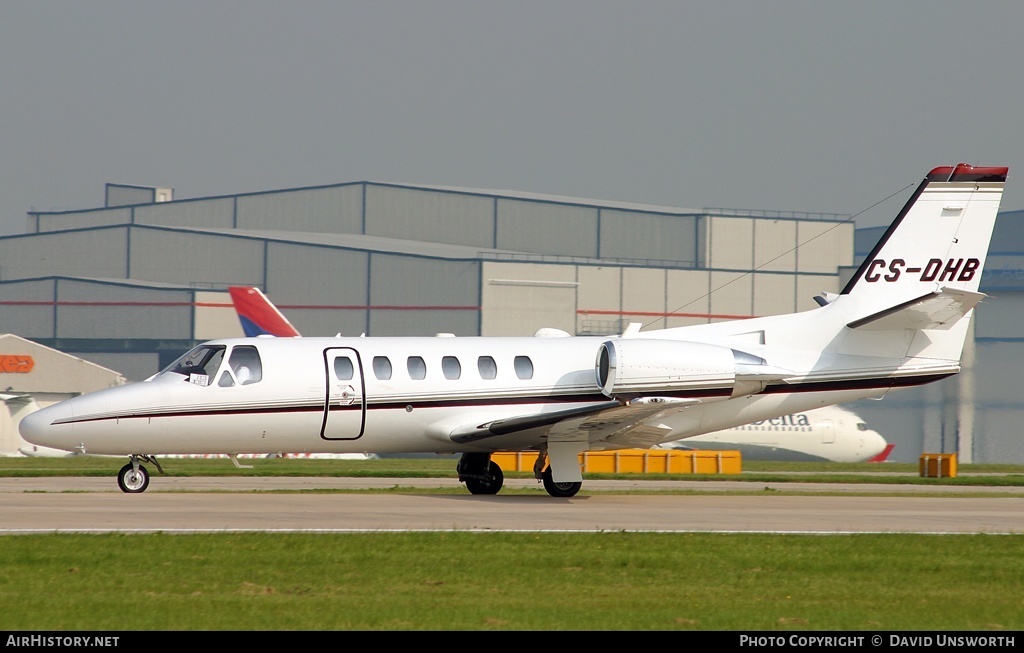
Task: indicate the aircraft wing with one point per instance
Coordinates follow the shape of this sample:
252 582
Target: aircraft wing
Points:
940 309
611 424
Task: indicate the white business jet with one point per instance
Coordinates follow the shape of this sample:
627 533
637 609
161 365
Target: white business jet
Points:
900 322
830 434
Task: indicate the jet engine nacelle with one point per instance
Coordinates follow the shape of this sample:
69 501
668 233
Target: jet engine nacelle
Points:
629 368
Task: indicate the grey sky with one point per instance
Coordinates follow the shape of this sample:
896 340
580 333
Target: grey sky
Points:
783 105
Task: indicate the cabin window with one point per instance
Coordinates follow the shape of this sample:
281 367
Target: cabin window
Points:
417 367
246 365
451 367
343 368
524 367
382 367
488 368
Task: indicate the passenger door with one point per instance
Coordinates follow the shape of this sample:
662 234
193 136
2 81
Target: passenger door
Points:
345 400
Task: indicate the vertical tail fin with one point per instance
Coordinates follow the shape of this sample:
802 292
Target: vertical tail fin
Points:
258 315
939 240
911 294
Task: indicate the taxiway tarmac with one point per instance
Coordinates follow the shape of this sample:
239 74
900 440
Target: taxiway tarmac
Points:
230 504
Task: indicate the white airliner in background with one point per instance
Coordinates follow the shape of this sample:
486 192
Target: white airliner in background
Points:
830 434
900 322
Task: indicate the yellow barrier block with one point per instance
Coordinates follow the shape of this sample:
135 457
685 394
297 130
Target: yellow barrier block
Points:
938 465
636 461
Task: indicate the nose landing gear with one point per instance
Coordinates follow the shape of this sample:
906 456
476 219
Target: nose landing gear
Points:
133 477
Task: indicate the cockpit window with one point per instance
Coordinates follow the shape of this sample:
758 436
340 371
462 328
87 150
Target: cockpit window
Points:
200 364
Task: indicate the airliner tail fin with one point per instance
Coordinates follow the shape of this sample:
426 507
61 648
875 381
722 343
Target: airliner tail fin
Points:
258 315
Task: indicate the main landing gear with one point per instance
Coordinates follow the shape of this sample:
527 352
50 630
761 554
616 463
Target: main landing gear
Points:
483 476
542 470
480 474
564 490
133 477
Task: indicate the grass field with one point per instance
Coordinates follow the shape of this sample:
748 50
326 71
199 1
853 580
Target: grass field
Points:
507 581
503 581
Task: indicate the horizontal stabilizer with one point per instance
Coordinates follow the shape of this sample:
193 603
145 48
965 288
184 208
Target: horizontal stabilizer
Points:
940 310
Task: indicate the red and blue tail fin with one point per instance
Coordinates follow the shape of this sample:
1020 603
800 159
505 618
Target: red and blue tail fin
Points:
258 315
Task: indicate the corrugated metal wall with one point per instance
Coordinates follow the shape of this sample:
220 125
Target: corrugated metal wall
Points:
107 311
98 252
774 244
517 299
334 209
409 293
124 194
547 228
27 308
688 298
187 258
650 236
217 213
322 290
729 243
432 216
824 245
62 222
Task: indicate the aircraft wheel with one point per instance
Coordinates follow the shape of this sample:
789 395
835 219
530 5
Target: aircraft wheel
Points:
132 481
563 490
491 485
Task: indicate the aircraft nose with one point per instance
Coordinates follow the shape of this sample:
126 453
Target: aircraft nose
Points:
39 427
874 443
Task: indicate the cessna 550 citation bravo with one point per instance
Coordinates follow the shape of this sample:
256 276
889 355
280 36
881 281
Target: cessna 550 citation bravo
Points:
830 433
901 321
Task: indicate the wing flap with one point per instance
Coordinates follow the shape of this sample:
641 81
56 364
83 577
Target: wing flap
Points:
612 422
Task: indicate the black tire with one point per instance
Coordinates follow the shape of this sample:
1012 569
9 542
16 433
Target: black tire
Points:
561 490
491 485
131 481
